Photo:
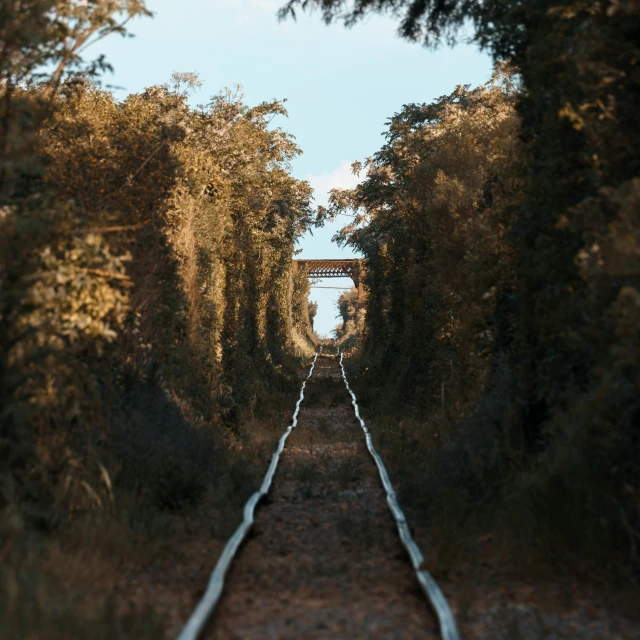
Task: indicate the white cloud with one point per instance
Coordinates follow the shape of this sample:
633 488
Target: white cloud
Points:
340 178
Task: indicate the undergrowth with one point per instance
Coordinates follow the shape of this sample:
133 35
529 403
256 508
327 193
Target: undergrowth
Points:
172 483
474 505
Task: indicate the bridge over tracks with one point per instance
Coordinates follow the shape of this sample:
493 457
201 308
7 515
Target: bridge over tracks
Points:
333 268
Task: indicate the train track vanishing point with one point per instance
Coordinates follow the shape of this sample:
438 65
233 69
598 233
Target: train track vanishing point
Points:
394 604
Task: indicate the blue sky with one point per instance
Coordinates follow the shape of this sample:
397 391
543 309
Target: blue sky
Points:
341 85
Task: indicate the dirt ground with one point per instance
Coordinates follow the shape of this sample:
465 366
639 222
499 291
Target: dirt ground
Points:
325 560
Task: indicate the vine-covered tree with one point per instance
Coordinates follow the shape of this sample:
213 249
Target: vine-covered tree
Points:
146 266
567 302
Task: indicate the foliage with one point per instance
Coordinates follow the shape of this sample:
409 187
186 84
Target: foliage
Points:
353 314
302 309
503 265
146 260
42 42
147 304
436 255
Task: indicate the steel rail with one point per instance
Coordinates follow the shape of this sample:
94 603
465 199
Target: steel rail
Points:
436 598
204 609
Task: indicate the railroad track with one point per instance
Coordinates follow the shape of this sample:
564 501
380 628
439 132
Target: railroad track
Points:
317 568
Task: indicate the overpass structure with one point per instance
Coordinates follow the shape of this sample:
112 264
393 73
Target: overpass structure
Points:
332 268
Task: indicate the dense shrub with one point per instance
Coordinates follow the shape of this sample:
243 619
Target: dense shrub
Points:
353 313
146 249
437 261
500 229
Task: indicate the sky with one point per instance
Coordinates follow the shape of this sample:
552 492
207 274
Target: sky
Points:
341 85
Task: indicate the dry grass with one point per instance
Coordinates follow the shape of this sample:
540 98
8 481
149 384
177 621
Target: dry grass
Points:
61 586
461 498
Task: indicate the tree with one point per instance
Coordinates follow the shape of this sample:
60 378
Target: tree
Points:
571 233
40 42
433 22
